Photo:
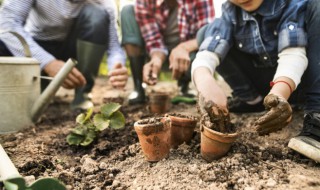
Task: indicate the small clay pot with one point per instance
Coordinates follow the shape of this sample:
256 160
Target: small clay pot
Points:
159 102
182 127
154 136
215 145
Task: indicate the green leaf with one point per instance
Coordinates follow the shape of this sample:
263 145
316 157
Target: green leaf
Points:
89 114
89 138
117 120
79 130
83 118
74 139
100 122
47 184
108 109
15 183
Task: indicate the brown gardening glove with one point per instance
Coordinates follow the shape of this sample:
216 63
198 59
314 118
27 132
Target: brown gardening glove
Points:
278 116
212 116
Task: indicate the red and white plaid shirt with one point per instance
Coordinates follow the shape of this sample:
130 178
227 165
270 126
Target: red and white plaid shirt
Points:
152 16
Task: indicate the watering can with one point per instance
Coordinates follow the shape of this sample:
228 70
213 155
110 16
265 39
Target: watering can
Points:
12 180
21 103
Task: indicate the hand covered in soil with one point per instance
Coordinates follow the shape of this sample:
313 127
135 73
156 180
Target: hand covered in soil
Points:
151 71
118 76
213 116
278 116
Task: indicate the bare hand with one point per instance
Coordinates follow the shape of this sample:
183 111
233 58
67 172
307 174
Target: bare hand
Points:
179 61
151 71
118 76
278 116
73 80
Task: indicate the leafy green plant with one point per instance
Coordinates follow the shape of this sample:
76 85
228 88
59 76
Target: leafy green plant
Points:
88 126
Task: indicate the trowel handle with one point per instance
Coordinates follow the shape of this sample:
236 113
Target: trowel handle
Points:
7 169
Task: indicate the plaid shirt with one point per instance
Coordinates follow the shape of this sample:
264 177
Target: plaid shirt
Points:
152 16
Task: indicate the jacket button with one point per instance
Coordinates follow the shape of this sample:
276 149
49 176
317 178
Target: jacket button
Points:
218 37
291 27
240 45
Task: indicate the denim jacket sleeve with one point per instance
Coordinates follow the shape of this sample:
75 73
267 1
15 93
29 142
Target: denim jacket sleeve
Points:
291 27
218 36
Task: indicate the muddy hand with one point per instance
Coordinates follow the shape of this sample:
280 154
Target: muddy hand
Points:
278 116
219 119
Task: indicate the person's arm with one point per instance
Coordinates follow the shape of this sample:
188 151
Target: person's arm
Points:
203 68
115 53
179 58
150 31
291 65
13 15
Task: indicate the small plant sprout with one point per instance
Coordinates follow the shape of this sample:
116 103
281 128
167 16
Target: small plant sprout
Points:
88 127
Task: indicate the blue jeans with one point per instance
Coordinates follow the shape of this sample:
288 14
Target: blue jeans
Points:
91 25
248 80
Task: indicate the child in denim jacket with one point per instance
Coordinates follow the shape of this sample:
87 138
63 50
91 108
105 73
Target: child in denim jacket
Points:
257 44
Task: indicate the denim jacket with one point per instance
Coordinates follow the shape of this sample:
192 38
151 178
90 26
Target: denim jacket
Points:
276 25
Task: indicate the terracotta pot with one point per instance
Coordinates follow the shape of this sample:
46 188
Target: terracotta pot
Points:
159 102
215 145
182 127
154 137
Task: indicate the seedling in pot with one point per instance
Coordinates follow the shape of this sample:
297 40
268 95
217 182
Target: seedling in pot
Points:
89 126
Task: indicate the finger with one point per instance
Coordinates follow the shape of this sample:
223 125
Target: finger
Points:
119 78
80 78
68 84
270 115
281 119
118 84
271 101
119 71
266 130
186 64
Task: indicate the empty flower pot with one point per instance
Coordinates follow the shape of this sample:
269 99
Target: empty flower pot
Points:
215 145
154 136
182 127
159 102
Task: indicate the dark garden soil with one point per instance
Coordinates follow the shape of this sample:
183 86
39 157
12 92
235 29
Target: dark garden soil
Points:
116 161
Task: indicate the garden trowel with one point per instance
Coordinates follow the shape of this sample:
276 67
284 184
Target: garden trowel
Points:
12 180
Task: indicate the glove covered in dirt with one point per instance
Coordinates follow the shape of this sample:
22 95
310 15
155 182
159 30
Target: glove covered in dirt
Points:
213 117
278 116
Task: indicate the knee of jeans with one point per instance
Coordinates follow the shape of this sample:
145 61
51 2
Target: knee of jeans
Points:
94 16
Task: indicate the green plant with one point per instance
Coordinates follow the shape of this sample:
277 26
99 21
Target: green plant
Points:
88 126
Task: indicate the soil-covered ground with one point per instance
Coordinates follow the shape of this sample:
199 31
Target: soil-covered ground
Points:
116 161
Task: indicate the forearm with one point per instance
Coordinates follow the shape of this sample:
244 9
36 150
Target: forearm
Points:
158 58
190 45
283 86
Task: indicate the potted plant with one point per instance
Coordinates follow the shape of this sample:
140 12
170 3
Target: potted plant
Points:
217 131
154 137
182 127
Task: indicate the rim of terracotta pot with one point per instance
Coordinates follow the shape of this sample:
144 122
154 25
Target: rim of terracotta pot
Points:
161 96
218 136
182 121
150 128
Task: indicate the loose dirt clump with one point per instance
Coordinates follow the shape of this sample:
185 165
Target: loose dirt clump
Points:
115 160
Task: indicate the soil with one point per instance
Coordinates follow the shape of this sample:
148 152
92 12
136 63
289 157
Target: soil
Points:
116 161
